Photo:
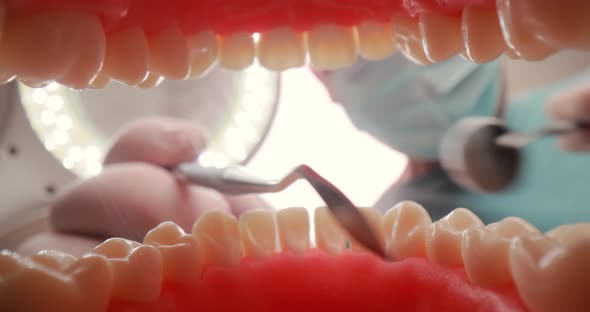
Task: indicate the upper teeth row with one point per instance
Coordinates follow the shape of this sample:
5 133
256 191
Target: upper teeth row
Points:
495 255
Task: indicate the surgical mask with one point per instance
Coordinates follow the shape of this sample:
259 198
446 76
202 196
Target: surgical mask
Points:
410 107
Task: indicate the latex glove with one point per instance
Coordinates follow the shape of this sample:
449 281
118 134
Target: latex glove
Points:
134 194
573 106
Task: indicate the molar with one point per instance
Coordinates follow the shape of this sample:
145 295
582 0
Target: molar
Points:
203 53
169 54
219 238
443 243
137 269
257 232
405 229
100 81
376 40
441 36
375 220
551 276
293 225
329 235
281 49
482 35
409 40
127 56
53 259
485 251
181 257
67 47
332 46
236 51
27 285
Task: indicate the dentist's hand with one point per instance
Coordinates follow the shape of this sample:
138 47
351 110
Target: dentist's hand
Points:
133 194
573 106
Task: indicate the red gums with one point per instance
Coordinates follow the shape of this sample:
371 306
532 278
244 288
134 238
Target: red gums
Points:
320 282
226 16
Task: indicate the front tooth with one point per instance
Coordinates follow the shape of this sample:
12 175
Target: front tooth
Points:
203 53
329 235
153 80
375 220
127 56
181 258
257 231
293 226
100 81
137 269
482 35
441 36
219 238
409 40
485 251
236 51
281 49
169 54
90 52
519 33
443 244
53 259
376 40
46 46
406 226
548 275
332 46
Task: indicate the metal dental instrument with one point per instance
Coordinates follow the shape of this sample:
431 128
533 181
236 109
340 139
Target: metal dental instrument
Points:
235 180
521 139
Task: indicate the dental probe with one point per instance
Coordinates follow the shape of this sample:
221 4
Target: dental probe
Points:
235 180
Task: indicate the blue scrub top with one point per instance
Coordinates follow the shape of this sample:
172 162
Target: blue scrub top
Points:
552 188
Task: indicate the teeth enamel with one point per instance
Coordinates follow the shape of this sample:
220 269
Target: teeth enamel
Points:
49 46
257 231
181 258
293 225
375 220
169 54
203 53
485 251
281 49
482 35
553 274
100 81
332 47
376 40
518 34
408 39
236 51
84 285
406 226
329 235
152 81
6 78
89 54
441 36
137 269
219 238
127 56
53 259
443 243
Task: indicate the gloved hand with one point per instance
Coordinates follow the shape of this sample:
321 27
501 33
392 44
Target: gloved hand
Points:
134 194
573 106
410 107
